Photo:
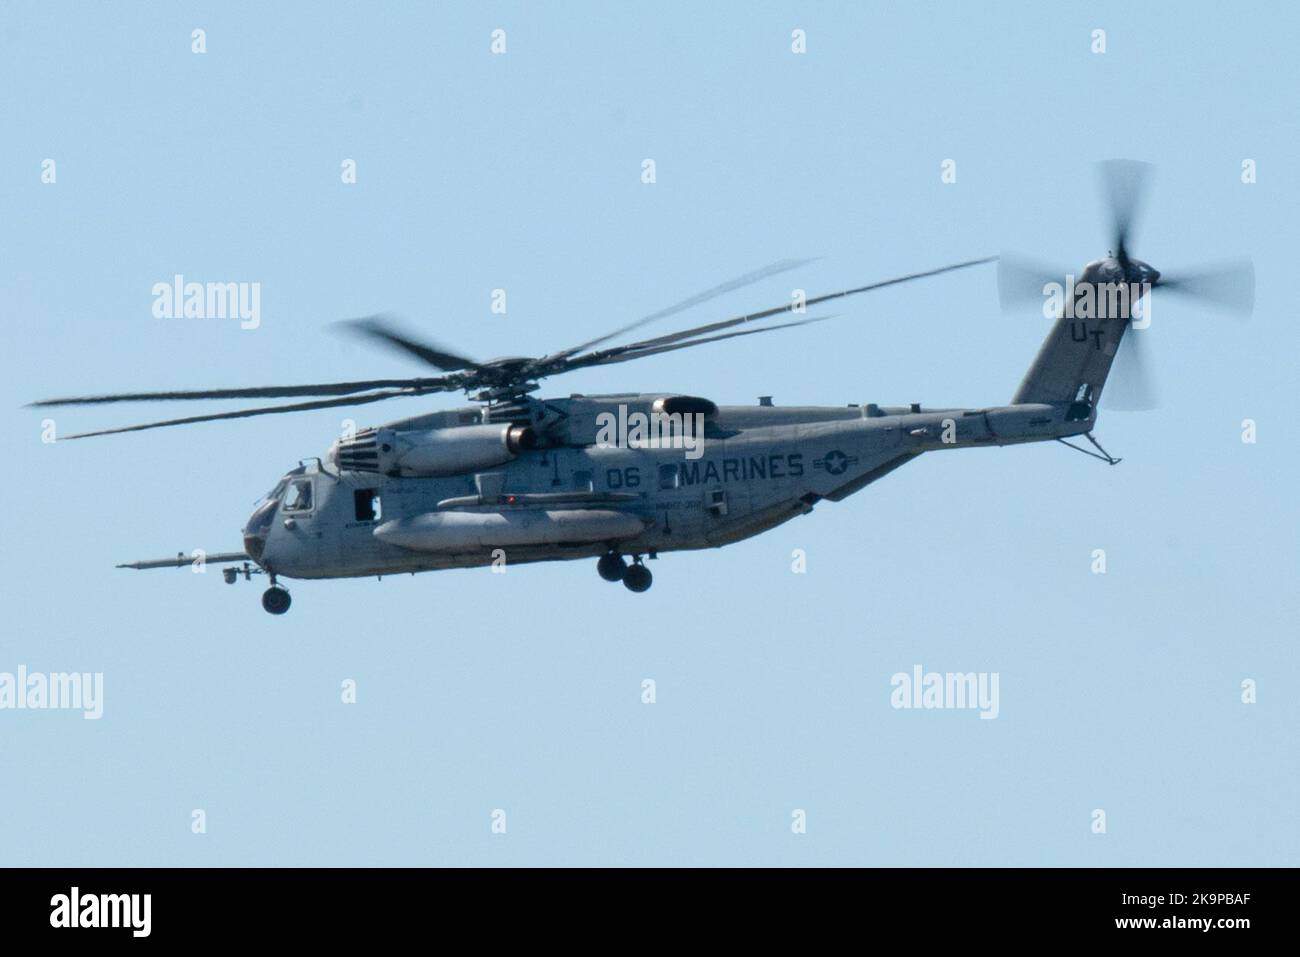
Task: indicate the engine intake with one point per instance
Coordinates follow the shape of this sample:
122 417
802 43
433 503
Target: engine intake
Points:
432 452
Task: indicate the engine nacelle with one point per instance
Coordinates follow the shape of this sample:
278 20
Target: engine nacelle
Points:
431 452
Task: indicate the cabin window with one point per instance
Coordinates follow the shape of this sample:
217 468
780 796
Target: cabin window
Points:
366 501
582 481
669 476
298 498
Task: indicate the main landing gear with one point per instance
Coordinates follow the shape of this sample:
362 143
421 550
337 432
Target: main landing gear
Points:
611 567
635 577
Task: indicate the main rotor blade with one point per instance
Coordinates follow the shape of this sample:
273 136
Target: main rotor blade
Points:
1130 386
748 279
1022 280
380 329
1230 288
265 410
766 313
254 392
602 359
1123 182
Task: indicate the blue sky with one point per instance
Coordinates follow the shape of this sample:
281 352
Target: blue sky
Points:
522 691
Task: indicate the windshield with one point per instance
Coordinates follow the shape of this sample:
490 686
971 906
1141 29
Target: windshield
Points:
275 493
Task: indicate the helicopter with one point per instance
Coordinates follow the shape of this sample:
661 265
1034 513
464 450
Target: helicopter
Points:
623 478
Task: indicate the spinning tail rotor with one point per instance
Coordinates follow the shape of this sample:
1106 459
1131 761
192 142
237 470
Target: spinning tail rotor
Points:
1062 368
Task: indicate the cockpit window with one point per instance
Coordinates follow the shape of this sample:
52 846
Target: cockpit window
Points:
298 498
275 493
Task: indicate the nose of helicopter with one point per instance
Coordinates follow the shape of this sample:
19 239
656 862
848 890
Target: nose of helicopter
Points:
256 529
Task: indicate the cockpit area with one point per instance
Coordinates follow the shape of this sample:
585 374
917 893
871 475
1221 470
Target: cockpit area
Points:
295 492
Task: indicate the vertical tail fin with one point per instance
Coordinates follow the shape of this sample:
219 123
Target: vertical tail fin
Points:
1076 357
1073 362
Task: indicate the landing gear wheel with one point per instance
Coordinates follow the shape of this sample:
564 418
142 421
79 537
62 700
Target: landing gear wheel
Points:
637 578
276 600
611 567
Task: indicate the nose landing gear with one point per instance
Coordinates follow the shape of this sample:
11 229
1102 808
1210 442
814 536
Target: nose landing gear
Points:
276 600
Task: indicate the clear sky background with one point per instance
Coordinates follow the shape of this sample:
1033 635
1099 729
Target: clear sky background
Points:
522 691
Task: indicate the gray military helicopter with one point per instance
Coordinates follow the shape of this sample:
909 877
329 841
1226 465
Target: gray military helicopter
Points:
524 479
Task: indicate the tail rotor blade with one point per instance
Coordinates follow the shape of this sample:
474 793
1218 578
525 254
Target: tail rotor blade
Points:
1123 182
1230 288
1131 386
1022 281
